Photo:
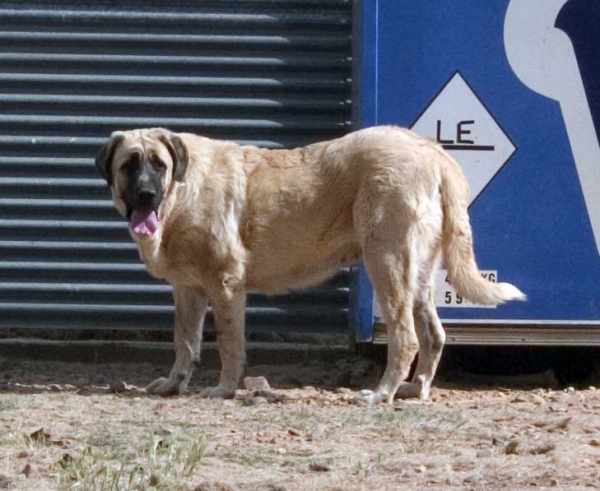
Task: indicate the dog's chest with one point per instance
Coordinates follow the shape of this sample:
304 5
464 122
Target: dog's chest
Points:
177 272
154 261
183 262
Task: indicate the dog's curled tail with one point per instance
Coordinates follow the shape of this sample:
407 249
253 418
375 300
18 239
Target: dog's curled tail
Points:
457 243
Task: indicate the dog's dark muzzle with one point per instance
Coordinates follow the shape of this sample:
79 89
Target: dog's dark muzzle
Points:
145 192
145 198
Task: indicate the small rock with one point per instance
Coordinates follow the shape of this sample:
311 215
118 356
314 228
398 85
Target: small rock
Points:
544 449
484 454
255 401
25 453
154 480
595 443
421 469
27 470
592 388
270 396
561 425
536 399
42 436
570 390
512 447
497 442
293 432
319 467
342 390
256 383
556 408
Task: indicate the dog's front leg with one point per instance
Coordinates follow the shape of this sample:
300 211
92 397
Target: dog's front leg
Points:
190 308
229 308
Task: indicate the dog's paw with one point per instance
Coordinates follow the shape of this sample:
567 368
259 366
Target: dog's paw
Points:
221 391
166 387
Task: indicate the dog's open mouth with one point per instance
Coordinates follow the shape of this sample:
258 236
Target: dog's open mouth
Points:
143 222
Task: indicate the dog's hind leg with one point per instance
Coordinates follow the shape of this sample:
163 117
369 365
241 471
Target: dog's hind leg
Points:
388 275
389 258
431 336
190 309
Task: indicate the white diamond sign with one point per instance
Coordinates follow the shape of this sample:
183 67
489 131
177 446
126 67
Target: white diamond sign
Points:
460 122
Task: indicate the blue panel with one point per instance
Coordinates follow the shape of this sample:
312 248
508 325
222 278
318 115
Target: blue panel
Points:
532 222
368 46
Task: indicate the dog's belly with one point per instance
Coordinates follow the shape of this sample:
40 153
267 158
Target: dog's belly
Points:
278 273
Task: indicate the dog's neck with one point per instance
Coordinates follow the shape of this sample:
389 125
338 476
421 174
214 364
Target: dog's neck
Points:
150 252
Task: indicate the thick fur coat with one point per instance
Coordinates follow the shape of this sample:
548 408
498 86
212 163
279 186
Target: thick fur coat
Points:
216 219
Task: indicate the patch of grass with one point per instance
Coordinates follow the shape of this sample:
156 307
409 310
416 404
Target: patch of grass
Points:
421 429
8 403
162 462
252 457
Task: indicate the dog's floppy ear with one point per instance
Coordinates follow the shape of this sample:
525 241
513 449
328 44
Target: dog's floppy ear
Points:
105 155
178 151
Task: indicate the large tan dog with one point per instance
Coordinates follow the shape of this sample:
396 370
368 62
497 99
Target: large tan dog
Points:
216 219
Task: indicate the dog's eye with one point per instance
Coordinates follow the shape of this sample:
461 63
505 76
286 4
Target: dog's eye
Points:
126 167
132 163
135 158
159 164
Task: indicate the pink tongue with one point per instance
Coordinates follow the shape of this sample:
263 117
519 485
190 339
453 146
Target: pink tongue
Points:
143 222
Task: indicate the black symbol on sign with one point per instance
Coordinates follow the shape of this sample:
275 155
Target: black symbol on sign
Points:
579 19
461 143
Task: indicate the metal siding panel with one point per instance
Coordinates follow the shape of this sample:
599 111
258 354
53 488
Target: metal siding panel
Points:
265 72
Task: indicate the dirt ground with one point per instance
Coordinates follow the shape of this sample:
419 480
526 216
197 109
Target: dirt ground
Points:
92 427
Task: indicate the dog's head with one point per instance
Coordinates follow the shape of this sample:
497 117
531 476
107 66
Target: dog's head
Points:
140 167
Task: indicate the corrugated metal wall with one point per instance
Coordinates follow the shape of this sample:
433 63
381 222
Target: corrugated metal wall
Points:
267 72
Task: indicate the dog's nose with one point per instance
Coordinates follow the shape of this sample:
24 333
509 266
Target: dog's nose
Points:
145 197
